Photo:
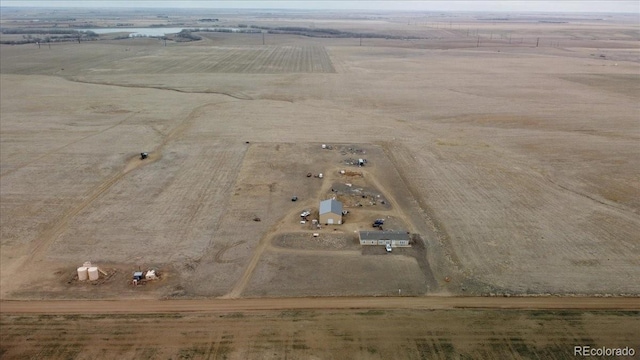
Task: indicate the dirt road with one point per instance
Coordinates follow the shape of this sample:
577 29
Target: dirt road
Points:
232 305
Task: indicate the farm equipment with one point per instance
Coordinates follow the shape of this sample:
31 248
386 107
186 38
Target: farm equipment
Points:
141 277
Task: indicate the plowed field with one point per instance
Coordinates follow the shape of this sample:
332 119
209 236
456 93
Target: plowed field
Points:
516 165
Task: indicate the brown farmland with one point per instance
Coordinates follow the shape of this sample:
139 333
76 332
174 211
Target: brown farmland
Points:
303 334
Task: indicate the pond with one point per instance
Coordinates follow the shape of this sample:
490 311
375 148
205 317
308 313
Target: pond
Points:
136 31
159 31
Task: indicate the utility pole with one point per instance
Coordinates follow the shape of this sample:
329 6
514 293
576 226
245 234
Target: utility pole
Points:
263 38
537 42
360 40
478 43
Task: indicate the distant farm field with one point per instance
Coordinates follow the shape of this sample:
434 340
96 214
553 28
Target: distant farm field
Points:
259 59
237 59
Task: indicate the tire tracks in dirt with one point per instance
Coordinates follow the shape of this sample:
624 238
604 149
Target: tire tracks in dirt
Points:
313 252
263 245
237 96
219 257
608 204
48 237
241 284
437 229
423 263
51 152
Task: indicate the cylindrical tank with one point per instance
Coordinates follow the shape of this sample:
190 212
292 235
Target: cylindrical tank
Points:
83 273
93 273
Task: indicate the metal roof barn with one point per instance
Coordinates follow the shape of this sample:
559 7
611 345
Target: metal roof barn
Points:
330 212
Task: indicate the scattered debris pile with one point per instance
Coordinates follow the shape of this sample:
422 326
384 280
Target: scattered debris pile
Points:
351 150
351 173
360 162
355 196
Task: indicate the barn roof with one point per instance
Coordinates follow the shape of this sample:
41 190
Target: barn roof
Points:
384 235
331 205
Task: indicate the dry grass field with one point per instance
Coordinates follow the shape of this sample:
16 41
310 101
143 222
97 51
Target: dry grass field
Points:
305 334
517 165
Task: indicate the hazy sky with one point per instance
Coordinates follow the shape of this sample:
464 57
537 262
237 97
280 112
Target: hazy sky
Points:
438 5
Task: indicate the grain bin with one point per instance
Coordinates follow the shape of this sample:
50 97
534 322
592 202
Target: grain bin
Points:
83 273
93 273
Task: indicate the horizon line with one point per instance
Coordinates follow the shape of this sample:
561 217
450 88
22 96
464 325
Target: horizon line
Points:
317 9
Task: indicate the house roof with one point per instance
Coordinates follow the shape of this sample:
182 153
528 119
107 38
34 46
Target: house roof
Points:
331 206
384 235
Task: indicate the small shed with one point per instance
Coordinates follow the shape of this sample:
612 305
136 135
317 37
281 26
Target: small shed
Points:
330 212
393 238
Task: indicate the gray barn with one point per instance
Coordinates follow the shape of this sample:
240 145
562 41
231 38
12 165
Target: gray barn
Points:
330 212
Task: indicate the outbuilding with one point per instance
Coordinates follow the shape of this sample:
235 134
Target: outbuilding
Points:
330 212
393 238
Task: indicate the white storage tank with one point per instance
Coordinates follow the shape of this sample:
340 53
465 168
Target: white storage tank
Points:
83 273
93 273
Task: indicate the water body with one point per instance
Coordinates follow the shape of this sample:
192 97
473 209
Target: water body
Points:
137 31
151 31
